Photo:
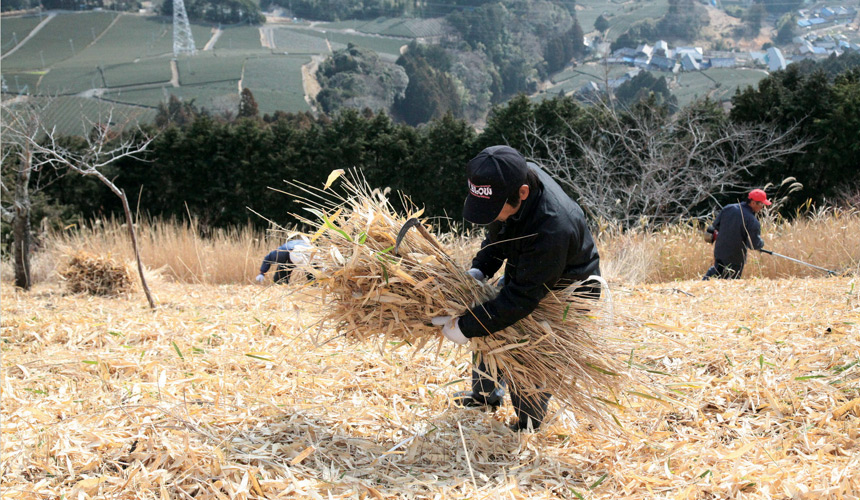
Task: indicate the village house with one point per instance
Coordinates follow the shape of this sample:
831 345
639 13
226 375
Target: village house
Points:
775 59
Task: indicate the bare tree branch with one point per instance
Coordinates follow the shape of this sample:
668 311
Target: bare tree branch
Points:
644 166
40 147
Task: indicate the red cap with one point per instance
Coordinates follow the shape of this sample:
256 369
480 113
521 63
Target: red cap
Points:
759 195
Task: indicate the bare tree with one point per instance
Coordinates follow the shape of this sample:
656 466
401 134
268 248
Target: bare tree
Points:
19 129
647 164
105 144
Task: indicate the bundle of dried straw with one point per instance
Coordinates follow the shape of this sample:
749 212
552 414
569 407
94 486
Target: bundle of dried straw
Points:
561 348
96 275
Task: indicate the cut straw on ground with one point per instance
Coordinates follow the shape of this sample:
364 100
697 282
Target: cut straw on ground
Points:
98 402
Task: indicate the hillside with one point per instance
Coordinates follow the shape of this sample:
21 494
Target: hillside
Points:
221 393
125 59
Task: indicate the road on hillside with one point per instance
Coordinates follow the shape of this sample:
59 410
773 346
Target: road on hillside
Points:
216 34
32 33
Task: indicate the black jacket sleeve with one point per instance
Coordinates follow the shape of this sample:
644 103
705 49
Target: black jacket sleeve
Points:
541 265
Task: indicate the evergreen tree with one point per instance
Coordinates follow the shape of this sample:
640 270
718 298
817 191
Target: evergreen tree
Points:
247 104
645 86
821 106
431 93
753 18
787 30
684 20
601 24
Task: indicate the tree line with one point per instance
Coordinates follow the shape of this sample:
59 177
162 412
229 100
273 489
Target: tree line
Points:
219 11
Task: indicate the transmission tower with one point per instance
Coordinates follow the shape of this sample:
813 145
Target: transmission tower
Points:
183 42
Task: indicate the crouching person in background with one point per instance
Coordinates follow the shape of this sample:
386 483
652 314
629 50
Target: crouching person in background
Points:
285 258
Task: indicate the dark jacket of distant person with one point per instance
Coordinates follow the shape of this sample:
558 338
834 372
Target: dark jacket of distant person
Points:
738 230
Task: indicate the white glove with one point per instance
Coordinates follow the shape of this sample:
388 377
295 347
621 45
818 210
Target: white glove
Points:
260 278
450 328
477 274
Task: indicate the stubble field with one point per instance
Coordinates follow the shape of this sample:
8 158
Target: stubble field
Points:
231 392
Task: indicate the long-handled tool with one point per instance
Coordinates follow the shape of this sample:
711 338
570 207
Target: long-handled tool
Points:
828 271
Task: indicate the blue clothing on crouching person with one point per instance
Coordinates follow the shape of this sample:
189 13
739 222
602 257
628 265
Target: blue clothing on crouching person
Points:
281 257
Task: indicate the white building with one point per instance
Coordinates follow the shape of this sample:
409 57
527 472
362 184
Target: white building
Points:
775 59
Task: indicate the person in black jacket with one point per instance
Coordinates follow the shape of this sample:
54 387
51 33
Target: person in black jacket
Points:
734 231
544 237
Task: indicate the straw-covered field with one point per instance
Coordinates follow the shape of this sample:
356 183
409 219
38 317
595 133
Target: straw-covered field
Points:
221 393
339 388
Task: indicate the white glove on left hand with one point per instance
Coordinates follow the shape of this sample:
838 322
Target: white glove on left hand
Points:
450 328
260 278
477 274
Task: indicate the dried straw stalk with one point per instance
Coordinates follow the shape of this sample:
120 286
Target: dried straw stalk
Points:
96 275
561 348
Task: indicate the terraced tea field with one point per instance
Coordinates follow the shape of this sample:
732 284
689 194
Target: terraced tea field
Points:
717 83
276 82
63 37
77 115
14 29
126 58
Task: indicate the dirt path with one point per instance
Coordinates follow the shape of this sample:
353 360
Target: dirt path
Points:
174 72
309 81
267 38
216 34
31 34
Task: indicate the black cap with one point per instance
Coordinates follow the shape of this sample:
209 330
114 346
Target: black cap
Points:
493 175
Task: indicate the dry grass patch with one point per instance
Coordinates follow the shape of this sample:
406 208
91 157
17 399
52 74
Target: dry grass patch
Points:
828 238
175 250
96 275
220 394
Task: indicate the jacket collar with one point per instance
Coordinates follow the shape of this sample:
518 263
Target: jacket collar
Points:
528 207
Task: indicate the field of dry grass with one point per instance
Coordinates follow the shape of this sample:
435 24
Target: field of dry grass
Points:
174 250
828 238
229 390
222 393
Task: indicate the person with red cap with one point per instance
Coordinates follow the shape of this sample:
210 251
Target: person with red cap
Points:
542 235
735 230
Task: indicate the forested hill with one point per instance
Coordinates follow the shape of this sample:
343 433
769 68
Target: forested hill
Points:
489 52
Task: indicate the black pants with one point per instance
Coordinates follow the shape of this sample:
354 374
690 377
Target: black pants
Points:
724 271
531 405
282 275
